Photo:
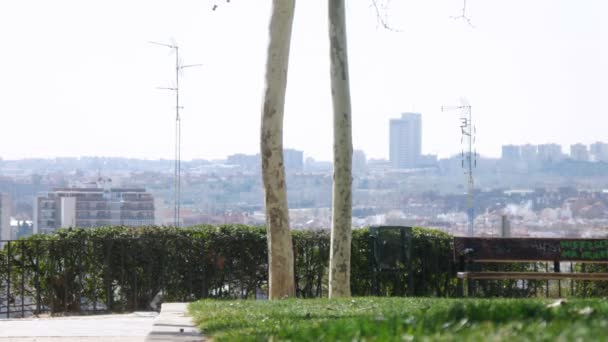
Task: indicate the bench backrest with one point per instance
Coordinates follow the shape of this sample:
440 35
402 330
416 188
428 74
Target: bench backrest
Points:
531 249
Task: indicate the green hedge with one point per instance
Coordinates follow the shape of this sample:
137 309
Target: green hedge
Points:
121 268
588 288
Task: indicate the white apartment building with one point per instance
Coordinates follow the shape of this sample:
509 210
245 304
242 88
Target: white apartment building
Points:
293 160
599 151
550 152
579 152
92 207
529 153
511 152
405 145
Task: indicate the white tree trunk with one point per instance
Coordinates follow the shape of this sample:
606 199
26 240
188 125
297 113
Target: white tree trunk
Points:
280 252
339 260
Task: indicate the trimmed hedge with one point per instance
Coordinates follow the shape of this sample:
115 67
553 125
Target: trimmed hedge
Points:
122 268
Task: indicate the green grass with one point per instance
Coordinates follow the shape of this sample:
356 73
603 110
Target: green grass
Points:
403 319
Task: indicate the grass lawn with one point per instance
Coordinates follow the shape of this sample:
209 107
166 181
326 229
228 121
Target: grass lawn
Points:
403 319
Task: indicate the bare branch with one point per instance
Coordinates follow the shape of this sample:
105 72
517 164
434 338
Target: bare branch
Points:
463 14
215 6
381 15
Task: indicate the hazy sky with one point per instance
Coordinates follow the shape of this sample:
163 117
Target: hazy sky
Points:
79 78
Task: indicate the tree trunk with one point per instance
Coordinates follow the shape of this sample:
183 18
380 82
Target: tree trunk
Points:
280 252
339 261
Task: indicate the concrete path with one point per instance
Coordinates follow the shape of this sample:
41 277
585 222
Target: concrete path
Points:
119 328
172 324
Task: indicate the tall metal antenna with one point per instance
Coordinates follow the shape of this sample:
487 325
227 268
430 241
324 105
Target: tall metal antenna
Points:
178 132
468 155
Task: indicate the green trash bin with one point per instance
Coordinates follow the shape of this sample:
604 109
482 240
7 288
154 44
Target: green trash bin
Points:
391 250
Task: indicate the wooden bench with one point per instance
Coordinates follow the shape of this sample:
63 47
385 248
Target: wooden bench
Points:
468 251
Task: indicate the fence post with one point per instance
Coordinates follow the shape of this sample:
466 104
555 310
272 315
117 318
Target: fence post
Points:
8 281
37 279
134 291
65 284
407 239
92 242
203 252
108 274
122 267
190 265
372 263
245 292
80 275
162 286
22 278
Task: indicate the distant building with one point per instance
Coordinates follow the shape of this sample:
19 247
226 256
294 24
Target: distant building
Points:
599 151
317 166
550 152
511 152
378 165
428 160
529 153
359 161
5 217
579 152
92 207
247 162
293 160
405 145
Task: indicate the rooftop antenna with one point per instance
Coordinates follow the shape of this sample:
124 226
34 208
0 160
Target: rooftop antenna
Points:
468 155
178 130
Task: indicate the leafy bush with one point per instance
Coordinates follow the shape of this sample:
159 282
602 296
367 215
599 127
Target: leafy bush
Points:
587 288
122 268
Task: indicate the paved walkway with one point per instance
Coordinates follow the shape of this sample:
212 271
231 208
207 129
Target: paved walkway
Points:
172 324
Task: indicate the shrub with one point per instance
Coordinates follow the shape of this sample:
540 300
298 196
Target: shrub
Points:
123 268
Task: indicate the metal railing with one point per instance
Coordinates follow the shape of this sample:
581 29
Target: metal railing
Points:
118 274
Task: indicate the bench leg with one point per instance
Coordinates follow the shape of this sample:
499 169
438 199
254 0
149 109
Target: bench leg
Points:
471 287
459 288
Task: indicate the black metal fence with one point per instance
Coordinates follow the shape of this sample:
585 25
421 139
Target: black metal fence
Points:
125 274
117 269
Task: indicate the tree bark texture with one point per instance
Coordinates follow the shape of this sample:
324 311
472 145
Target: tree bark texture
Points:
341 235
280 252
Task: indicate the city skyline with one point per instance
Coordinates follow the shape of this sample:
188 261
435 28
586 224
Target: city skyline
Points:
565 151
82 87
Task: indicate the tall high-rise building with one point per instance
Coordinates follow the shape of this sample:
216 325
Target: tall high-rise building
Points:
293 160
511 152
5 217
599 151
92 207
579 152
529 153
550 152
359 161
405 145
